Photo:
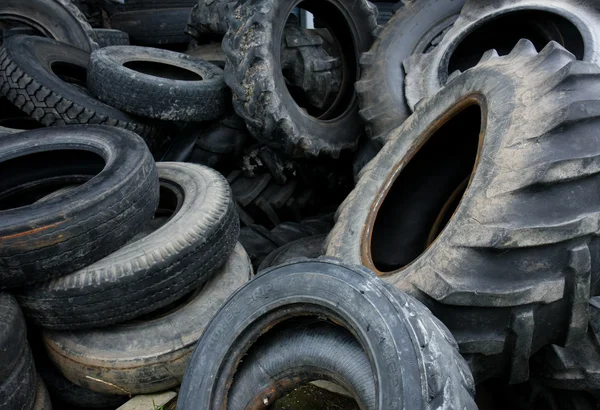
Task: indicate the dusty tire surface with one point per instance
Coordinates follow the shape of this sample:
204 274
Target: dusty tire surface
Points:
30 78
320 352
464 246
109 37
86 224
149 354
210 17
17 372
153 271
260 95
158 84
389 325
156 27
43 16
500 25
411 30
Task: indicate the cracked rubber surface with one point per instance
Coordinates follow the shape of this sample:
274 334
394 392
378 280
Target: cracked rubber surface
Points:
149 354
28 81
153 271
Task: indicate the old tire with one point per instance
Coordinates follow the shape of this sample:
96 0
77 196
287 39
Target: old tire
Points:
311 247
157 27
261 97
500 25
119 355
46 80
411 30
42 398
320 352
153 271
60 20
158 84
17 373
88 223
110 37
464 232
209 17
389 325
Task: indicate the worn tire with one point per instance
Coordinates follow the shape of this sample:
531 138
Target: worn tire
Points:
133 5
88 223
410 31
27 81
150 354
210 17
414 359
42 398
196 91
60 20
477 261
482 26
311 247
260 95
17 373
109 37
157 27
320 351
154 271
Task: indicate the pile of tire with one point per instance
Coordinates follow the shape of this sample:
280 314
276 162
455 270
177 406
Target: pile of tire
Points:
435 160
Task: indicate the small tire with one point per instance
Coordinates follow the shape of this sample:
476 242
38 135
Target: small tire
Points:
28 81
60 20
460 235
311 247
159 27
253 72
109 37
163 84
154 271
320 351
410 31
86 224
415 361
150 354
499 25
17 372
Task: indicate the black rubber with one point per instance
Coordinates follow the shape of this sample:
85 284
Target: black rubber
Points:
321 351
133 5
253 72
386 10
149 354
54 238
159 27
461 200
28 81
210 17
154 271
412 30
110 37
158 84
17 373
575 24
311 247
57 19
415 361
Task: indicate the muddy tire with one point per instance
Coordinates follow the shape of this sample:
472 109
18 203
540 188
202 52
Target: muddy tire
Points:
157 27
84 225
461 238
210 17
390 326
115 360
46 80
153 271
60 20
311 247
158 84
109 37
261 97
17 373
500 25
412 30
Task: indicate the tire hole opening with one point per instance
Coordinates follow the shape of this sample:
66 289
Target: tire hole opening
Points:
318 59
427 192
504 32
20 123
29 178
70 73
163 70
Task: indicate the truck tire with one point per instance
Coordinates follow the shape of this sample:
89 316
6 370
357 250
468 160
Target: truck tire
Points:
158 27
109 37
460 236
